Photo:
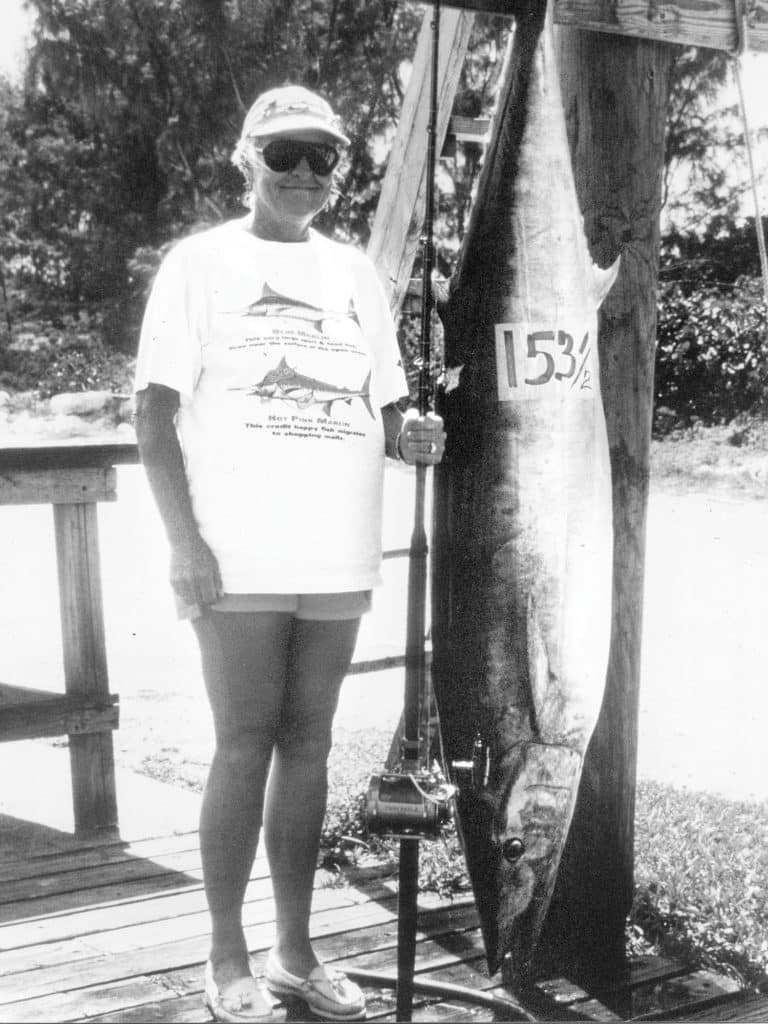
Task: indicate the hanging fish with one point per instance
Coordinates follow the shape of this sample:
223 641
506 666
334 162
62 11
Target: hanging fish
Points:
522 548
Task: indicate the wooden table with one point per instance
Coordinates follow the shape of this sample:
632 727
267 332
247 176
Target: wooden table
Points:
73 479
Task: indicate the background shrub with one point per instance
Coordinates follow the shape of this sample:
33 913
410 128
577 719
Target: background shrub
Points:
711 352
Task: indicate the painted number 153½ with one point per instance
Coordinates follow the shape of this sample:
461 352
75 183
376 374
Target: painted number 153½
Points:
533 360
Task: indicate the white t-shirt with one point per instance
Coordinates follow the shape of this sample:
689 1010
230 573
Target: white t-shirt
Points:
283 355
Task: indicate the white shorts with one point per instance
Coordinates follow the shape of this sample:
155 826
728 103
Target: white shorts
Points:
320 607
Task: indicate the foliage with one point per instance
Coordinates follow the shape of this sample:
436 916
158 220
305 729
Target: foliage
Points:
712 351
349 771
121 135
66 363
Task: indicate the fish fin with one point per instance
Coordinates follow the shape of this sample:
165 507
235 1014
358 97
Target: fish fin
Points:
327 407
365 394
604 279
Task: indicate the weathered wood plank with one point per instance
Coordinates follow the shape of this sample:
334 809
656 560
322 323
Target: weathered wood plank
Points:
186 950
171 903
115 851
143 992
56 486
709 23
26 938
72 937
68 456
682 993
111 893
642 970
53 714
174 865
114 996
743 1007
400 210
85 661
12 696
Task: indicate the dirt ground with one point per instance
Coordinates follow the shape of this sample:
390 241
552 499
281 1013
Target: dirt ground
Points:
703 701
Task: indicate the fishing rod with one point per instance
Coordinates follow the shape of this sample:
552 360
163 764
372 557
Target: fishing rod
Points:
411 802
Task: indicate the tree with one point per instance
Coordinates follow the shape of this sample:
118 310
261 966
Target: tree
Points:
702 136
130 109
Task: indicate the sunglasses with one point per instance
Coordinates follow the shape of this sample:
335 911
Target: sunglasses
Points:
286 154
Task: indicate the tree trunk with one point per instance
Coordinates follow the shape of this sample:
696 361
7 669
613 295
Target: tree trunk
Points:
615 92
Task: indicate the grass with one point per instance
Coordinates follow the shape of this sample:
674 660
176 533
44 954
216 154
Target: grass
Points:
701 878
731 458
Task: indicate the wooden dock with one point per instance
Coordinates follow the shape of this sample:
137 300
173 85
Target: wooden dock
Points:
113 927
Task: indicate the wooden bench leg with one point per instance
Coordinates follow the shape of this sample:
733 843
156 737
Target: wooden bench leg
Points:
85 660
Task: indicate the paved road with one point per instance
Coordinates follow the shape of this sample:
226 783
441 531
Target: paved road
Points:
704 700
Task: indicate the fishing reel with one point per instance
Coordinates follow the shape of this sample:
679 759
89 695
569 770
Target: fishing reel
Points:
409 803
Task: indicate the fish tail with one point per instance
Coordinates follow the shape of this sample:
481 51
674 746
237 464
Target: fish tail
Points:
365 394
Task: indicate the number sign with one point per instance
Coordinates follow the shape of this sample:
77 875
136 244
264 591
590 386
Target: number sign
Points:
536 360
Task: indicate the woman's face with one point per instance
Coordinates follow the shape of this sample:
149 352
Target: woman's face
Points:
285 202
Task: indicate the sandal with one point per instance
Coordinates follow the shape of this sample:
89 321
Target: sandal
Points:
327 992
241 1001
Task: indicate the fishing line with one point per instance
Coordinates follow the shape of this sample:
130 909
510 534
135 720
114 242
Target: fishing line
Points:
742 41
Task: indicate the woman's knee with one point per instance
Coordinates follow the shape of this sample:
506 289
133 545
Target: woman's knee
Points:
246 752
308 737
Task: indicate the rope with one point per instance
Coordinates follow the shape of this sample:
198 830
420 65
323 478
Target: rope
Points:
742 39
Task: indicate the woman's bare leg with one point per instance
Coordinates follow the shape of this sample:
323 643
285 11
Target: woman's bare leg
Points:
244 665
320 655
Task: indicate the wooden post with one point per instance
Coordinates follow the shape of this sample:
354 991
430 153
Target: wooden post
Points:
85 660
400 210
615 92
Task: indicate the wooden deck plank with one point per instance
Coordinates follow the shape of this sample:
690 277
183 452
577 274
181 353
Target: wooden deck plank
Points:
186 950
112 997
166 926
118 892
61 883
41 895
114 851
142 990
747 1007
684 992
112 915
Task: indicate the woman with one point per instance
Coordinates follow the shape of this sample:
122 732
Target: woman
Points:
266 383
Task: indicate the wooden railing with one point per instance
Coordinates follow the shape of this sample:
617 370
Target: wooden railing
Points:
73 478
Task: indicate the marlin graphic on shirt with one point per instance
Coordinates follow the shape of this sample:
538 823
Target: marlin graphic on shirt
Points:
272 304
285 383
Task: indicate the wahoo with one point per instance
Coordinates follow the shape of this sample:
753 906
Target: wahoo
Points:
522 548
285 384
272 304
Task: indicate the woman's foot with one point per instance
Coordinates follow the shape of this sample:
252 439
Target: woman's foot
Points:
300 961
327 991
239 999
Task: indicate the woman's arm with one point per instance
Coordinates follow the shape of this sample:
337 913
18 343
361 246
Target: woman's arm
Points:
194 571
